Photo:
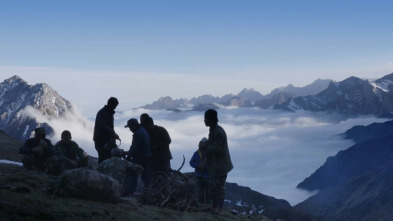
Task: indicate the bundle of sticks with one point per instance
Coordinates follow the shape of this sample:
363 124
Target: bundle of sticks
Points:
173 190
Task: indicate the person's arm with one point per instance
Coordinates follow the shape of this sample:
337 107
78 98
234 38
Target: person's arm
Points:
135 146
216 143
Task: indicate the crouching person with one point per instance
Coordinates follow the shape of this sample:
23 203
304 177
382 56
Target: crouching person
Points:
69 154
118 168
38 151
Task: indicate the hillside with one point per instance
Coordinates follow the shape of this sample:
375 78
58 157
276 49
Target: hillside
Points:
19 186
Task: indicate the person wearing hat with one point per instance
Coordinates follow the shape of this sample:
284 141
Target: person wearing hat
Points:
198 161
139 153
104 132
218 160
37 151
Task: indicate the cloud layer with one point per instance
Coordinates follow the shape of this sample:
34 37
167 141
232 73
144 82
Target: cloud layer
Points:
272 151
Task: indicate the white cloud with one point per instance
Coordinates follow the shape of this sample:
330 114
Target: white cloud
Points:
272 151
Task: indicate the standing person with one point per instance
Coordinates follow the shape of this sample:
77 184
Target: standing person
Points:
139 153
37 151
218 160
143 117
159 146
69 154
104 132
198 161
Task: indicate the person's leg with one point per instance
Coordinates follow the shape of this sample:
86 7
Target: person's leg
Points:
220 184
213 192
99 145
130 183
146 174
29 162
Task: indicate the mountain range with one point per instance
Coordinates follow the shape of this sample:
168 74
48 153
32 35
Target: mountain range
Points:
245 98
356 183
18 99
350 97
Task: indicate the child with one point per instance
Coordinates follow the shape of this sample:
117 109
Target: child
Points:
198 161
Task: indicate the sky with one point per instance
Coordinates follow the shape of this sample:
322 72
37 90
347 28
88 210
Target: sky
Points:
142 50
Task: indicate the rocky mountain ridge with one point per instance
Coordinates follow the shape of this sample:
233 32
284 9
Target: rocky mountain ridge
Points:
352 96
245 98
17 99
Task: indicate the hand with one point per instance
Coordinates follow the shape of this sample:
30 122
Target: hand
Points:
117 137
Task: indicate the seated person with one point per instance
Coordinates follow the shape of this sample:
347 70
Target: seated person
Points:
69 154
37 151
198 161
118 168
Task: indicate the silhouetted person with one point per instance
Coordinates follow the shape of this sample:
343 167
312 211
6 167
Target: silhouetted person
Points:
139 153
69 154
104 132
159 146
143 117
218 160
37 151
198 161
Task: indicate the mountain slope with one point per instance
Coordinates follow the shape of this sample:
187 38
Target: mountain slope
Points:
353 96
354 161
367 197
16 97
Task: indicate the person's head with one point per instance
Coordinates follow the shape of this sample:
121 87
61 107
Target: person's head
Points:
132 124
148 124
40 133
202 143
211 117
117 152
143 117
66 137
112 103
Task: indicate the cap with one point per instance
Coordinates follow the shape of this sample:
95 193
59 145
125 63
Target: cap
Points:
40 131
132 122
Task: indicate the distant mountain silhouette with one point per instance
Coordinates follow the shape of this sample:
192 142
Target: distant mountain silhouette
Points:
245 98
352 96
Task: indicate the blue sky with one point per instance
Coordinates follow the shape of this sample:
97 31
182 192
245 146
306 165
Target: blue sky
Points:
270 43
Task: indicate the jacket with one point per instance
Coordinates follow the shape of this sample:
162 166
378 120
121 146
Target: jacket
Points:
194 162
104 127
218 157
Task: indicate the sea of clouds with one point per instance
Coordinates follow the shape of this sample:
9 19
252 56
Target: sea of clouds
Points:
272 151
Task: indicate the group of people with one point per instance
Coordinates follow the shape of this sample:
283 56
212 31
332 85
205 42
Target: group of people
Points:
149 154
40 154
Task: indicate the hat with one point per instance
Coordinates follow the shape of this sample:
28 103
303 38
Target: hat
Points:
204 140
132 122
40 131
